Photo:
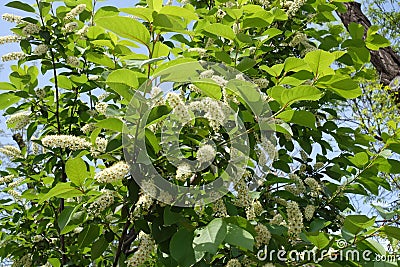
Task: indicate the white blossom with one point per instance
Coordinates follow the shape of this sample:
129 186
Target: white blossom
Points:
40 50
9 39
40 93
87 128
37 238
30 29
13 56
7 179
83 32
220 14
12 18
233 263
10 151
206 74
112 174
201 51
75 12
101 107
277 219
205 153
70 27
18 121
295 220
16 182
143 205
309 212
263 235
183 172
65 141
105 200
144 251
219 208
73 61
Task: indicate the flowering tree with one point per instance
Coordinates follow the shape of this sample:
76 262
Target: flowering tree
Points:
139 151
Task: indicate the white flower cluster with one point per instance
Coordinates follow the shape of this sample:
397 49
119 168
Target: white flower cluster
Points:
219 208
143 205
78 229
277 219
12 18
298 187
165 198
180 109
25 261
298 38
13 56
263 235
70 27
87 128
37 238
269 265
14 193
261 83
6 179
233 263
314 186
83 32
30 29
219 80
73 61
303 155
309 212
215 111
101 107
206 74
295 6
40 50
220 13
295 220
101 146
75 12
248 262
281 201
157 95
144 251
94 77
183 172
264 2
9 39
105 200
243 198
112 174
65 141
10 151
201 51
18 121
16 182
254 210
205 153
266 151
318 165
40 93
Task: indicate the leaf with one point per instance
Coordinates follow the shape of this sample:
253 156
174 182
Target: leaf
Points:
113 124
7 86
76 171
319 239
154 4
392 231
210 89
210 237
359 159
88 235
122 81
246 63
168 23
222 30
126 27
21 6
356 30
295 64
181 248
319 61
100 59
286 97
7 99
356 223
61 190
99 246
376 41
65 218
239 237
300 117
143 13
342 85
178 12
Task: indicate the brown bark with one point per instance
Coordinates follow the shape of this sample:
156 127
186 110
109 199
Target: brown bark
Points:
385 60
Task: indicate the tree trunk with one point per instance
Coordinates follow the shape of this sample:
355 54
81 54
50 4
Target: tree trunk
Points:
385 60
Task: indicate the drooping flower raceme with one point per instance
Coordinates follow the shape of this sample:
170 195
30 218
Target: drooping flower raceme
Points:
101 107
70 27
206 153
183 172
10 151
309 212
73 61
12 18
30 29
18 121
295 220
13 56
112 174
233 263
263 235
9 39
75 12
105 200
146 247
65 141
40 50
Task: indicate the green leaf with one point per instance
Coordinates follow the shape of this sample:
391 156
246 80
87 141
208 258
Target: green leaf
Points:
376 41
65 218
113 124
61 190
7 86
181 248
122 81
7 99
300 117
76 171
99 246
210 89
222 30
55 262
210 237
295 64
359 159
88 235
356 30
143 13
169 23
319 239
100 59
392 231
21 6
288 96
320 61
356 223
155 4
239 237
246 63
126 27
178 12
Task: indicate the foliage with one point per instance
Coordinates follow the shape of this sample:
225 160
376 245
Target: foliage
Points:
70 198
